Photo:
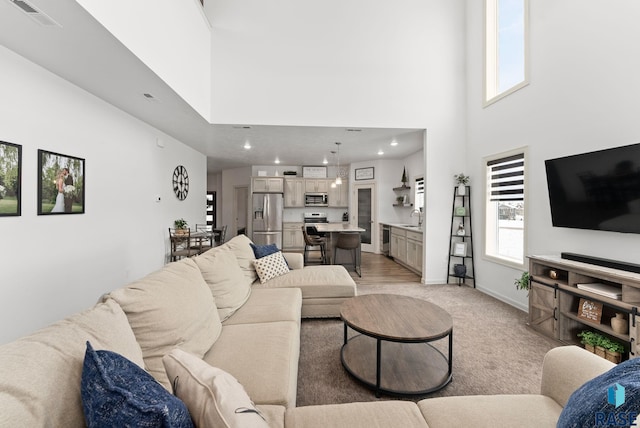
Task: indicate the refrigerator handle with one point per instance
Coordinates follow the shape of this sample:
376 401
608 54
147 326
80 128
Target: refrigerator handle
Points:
266 212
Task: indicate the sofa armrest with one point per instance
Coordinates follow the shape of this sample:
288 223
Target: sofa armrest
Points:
567 368
294 260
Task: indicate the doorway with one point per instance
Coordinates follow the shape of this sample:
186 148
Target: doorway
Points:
365 215
240 207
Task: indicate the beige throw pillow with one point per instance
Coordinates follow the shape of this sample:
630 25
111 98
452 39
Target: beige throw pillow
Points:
221 272
214 397
169 308
239 246
270 266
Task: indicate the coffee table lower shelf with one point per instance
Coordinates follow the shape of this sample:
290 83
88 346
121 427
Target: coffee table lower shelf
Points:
399 368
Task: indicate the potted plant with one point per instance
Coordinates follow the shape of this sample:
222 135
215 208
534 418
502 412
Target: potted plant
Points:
613 350
181 226
522 283
600 341
588 339
462 181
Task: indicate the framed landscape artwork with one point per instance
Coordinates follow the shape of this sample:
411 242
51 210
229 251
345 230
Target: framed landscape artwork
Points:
10 179
61 180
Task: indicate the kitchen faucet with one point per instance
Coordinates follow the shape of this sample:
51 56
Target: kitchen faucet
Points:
419 216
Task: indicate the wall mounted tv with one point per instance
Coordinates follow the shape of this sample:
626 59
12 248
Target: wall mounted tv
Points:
598 190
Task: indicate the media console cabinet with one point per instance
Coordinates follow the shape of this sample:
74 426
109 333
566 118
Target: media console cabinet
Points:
554 299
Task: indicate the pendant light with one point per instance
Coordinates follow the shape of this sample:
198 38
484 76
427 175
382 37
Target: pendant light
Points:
338 177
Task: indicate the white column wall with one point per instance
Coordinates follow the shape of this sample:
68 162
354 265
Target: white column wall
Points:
53 266
583 96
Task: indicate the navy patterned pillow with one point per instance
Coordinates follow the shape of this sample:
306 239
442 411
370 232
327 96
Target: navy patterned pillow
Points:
611 399
118 393
261 251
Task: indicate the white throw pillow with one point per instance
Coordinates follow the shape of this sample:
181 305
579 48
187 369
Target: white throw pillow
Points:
214 397
270 266
223 275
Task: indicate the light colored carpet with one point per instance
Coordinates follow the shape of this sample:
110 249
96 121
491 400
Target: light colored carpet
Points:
494 352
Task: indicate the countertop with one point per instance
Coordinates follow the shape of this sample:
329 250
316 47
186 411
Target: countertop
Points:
338 227
406 226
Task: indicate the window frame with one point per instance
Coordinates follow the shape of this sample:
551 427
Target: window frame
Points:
486 201
491 72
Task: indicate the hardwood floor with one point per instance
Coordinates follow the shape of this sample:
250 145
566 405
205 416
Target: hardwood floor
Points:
378 269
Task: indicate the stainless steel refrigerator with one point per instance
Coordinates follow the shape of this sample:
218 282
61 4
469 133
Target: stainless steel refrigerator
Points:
267 218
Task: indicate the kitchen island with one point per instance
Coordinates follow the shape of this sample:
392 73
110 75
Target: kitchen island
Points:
331 232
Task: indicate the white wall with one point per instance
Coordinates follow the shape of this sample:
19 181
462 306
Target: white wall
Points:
56 265
358 63
583 96
172 38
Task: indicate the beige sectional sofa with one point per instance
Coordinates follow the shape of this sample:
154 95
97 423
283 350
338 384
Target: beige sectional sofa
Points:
216 310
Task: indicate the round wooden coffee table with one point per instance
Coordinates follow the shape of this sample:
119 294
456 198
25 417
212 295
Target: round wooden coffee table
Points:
393 353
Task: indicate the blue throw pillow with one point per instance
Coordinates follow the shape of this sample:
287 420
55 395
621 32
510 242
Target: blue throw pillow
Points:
117 393
611 399
261 251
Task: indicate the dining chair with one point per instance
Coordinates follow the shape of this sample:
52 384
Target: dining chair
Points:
221 236
181 244
207 242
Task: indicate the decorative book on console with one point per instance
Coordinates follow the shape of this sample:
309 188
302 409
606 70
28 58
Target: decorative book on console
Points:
606 290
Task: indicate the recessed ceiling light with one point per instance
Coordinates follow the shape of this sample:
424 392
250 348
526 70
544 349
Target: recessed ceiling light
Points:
394 143
380 152
354 130
247 145
276 161
325 161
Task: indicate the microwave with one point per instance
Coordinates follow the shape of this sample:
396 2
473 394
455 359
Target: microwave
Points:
316 200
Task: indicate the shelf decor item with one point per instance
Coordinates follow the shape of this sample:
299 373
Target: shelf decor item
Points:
589 340
523 282
460 249
460 211
462 181
619 324
590 311
404 177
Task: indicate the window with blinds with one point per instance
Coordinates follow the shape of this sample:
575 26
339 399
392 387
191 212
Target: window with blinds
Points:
419 194
505 208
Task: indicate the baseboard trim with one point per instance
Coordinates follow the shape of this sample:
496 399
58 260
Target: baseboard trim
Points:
503 299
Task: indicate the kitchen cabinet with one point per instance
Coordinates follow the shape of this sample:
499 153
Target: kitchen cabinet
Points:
414 251
293 192
316 185
339 195
292 238
399 244
267 185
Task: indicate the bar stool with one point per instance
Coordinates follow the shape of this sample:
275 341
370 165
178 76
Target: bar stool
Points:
349 241
311 241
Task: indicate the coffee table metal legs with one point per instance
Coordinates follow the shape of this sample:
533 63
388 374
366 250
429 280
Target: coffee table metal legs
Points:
378 359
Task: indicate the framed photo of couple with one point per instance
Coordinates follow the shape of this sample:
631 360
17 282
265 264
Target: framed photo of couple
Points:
60 184
10 179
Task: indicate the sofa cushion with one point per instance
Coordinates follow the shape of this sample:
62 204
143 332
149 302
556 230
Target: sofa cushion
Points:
270 266
117 392
263 250
605 395
214 397
268 305
317 281
403 414
170 308
263 357
522 411
225 279
40 374
239 246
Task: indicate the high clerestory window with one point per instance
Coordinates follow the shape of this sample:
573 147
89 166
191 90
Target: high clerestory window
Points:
506 48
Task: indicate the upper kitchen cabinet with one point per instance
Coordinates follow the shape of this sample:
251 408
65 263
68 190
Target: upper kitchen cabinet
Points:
293 192
320 185
339 195
267 185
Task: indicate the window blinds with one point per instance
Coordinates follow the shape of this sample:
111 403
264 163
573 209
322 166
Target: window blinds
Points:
506 178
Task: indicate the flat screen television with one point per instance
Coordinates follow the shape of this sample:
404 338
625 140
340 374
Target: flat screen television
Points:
597 190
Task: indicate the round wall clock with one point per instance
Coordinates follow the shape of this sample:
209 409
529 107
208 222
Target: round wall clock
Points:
180 182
